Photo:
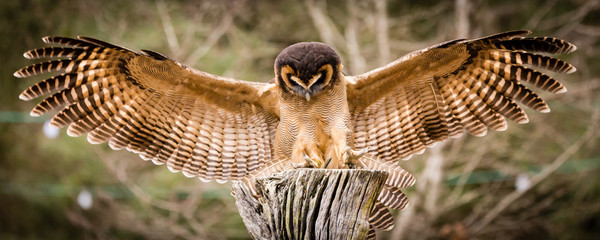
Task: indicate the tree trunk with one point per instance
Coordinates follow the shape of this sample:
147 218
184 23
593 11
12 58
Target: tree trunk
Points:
310 204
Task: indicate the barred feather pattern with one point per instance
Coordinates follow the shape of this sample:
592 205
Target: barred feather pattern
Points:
390 195
100 91
371 235
381 218
439 92
397 176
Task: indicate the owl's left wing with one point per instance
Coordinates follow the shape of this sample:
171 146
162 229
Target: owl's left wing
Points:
432 94
203 125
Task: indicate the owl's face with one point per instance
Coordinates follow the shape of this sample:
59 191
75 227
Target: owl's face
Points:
305 69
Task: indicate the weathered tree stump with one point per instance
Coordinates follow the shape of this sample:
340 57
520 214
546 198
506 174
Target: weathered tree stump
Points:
310 204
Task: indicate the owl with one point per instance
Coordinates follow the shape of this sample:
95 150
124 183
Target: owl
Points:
310 115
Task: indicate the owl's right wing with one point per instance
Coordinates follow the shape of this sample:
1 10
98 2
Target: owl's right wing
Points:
204 125
429 95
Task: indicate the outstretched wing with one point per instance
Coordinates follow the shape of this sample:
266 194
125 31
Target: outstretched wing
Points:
430 95
204 125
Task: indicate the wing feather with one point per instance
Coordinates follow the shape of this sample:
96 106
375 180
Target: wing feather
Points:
203 125
371 235
392 197
398 177
439 92
381 218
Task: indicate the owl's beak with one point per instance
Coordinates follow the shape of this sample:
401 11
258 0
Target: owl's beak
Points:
306 87
310 83
313 80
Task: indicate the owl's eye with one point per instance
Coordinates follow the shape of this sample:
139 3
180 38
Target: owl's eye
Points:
290 80
323 76
287 74
326 72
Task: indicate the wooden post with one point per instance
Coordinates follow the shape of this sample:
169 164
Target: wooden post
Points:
310 204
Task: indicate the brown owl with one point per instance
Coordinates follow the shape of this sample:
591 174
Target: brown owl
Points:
311 115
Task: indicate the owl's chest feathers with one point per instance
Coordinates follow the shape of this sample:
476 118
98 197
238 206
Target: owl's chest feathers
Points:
319 113
319 124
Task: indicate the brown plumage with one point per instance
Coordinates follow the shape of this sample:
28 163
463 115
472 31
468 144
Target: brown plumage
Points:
214 127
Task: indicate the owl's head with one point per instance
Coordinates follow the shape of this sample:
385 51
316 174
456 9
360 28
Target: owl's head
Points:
306 68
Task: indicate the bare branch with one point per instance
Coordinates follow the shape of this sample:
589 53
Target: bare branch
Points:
576 19
462 9
537 16
588 30
383 44
466 173
327 30
432 176
546 172
357 62
406 218
212 39
119 172
165 19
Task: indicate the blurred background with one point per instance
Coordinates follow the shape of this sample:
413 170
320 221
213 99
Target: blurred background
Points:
538 180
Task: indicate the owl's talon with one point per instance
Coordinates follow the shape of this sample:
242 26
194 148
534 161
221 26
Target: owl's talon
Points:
300 165
361 153
351 155
305 164
310 163
327 163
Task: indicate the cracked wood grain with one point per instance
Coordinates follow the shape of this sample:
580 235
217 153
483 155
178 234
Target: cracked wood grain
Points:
310 204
